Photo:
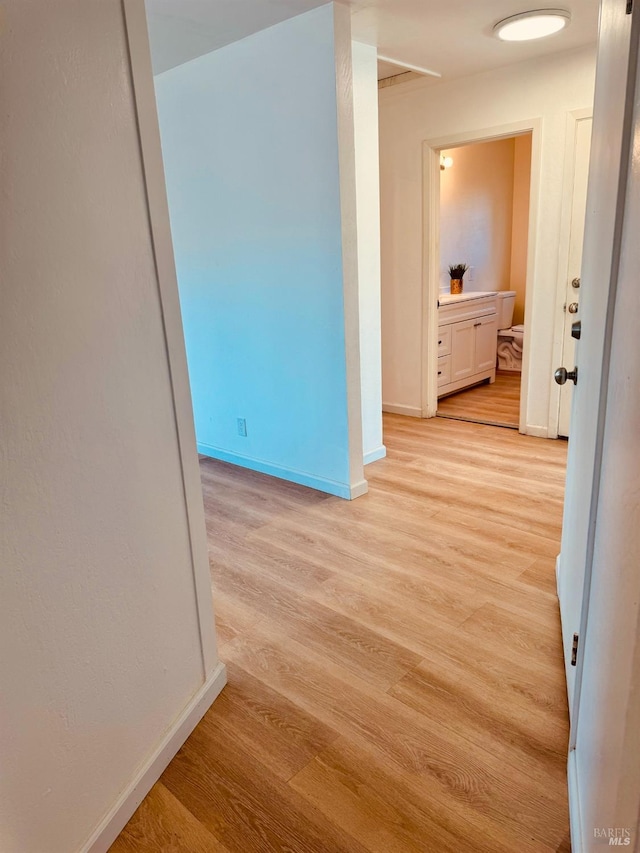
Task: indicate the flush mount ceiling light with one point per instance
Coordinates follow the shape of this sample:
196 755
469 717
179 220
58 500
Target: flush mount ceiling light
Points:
532 25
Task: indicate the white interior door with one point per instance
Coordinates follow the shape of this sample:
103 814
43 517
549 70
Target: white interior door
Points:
603 770
576 239
609 157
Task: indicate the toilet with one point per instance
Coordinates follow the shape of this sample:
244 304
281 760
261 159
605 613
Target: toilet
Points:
510 337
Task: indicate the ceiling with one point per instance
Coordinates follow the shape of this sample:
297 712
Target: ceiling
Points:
452 37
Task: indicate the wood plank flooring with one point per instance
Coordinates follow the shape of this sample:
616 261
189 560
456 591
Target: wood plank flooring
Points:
396 681
497 404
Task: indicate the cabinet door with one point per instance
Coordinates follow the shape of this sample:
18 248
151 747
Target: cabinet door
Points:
486 331
462 350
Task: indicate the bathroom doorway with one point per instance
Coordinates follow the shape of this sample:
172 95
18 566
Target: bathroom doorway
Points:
484 229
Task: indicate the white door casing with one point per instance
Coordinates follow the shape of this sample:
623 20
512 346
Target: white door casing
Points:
581 154
606 177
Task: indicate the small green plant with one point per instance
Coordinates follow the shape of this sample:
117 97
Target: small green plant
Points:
458 270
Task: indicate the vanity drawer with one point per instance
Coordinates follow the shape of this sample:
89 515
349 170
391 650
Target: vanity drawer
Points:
444 340
444 370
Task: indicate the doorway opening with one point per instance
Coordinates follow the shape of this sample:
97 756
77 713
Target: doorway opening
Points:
484 230
436 276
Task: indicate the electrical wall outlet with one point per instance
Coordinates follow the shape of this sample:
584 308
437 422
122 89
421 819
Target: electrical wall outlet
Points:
470 276
242 427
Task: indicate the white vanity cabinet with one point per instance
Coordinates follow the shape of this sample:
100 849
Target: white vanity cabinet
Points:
467 341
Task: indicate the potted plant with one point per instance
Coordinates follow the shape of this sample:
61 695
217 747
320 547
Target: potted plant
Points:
456 274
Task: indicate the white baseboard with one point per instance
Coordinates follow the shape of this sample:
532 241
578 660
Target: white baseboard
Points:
358 489
398 409
118 816
575 822
374 455
331 487
537 431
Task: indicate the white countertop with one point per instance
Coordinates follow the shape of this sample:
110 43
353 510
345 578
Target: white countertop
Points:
448 298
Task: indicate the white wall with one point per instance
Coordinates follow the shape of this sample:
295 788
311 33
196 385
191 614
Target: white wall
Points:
102 643
476 214
441 110
252 139
365 103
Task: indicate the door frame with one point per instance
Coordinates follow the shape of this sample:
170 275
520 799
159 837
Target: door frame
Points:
573 119
431 251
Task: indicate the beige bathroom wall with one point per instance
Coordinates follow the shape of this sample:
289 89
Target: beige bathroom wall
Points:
520 230
476 211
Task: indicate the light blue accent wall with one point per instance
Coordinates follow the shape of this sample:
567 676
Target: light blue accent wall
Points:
250 146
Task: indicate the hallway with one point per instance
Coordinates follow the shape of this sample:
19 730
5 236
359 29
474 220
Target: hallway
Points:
396 681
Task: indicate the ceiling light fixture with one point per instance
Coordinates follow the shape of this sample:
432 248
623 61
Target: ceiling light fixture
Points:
445 162
532 25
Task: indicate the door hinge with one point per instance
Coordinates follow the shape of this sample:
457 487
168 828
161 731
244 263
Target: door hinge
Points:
574 650
629 7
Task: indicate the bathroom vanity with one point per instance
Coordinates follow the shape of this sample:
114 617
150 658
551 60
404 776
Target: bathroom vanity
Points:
467 340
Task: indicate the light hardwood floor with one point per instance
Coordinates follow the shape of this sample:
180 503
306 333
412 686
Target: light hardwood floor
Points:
396 681
498 403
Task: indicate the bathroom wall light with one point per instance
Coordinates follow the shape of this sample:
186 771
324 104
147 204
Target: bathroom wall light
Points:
532 25
446 162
